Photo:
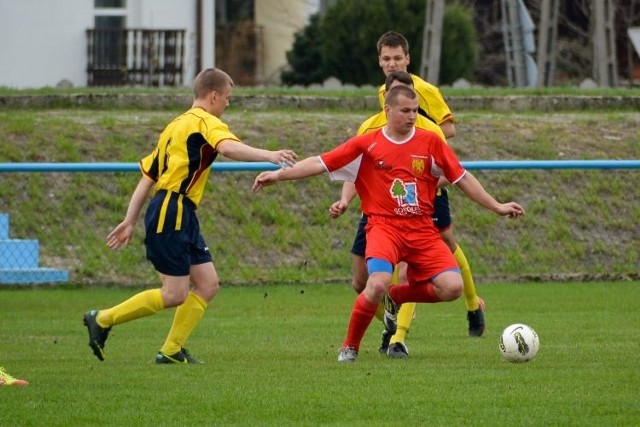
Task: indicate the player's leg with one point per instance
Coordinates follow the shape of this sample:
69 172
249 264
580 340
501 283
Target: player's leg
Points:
365 307
359 273
204 278
442 219
397 347
188 314
142 304
382 252
432 272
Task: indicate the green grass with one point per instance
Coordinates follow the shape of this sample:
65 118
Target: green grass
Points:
271 360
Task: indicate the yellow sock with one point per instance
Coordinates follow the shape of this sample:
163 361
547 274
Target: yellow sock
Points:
469 287
405 316
140 305
187 316
380 312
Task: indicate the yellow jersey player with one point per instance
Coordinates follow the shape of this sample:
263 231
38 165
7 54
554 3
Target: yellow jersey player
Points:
178 169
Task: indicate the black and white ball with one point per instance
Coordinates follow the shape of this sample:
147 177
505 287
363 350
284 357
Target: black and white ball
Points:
519 343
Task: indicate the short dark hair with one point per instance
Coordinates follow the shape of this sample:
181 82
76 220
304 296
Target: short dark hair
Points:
208 80
393 39
398 76
391 97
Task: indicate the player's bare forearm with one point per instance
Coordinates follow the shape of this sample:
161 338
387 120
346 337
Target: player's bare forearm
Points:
476 192
122 233
308 167
243 152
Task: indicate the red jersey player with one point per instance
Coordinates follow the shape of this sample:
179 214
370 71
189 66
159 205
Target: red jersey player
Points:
396 171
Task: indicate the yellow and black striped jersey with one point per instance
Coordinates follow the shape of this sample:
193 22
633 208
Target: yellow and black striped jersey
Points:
186 149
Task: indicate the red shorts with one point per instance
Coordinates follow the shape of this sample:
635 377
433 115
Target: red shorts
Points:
415 241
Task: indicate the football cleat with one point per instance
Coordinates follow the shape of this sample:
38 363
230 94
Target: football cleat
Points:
183 357
347 355
398 350
97 334
384 345
6 379
390 318
476 320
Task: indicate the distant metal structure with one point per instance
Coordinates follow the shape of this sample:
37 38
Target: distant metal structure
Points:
519 43
432 41
605 64
547 42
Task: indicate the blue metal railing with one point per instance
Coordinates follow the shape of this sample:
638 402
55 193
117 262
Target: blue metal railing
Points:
260 166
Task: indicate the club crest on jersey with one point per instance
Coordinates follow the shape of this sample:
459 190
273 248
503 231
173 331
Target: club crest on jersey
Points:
417 165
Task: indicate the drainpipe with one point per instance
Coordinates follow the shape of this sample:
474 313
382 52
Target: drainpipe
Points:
198 37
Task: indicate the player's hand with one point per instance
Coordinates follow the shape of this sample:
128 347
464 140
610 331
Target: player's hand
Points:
120 236
265 179
511 209
337 208
284 158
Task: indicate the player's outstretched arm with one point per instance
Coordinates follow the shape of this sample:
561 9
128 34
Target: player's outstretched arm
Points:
122 233
476 192
308 167
340 206
243 152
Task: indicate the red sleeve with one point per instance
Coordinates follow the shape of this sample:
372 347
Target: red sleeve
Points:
446 160
342 155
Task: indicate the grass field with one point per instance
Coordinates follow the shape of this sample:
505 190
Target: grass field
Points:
270 355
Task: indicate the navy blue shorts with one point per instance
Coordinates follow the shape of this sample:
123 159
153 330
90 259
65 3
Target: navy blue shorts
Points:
176 244
441 218
441 212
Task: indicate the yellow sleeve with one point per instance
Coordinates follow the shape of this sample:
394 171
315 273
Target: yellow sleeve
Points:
374 122
432 101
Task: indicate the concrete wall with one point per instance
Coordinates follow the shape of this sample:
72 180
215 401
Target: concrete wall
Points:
280 20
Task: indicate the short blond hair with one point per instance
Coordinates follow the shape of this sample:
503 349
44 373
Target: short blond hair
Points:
209 80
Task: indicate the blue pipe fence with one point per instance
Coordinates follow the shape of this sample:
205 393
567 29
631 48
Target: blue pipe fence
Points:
263 166
54 218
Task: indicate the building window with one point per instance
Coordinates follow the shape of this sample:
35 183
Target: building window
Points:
103 4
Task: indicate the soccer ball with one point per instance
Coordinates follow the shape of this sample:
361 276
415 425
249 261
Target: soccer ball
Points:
519 343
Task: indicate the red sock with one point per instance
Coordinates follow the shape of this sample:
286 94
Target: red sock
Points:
361 316
410 293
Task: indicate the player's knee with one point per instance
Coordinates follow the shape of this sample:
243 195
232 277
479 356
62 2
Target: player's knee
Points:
209 289
451 291
174 296
376 288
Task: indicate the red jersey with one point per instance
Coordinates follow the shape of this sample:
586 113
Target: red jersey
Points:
395 178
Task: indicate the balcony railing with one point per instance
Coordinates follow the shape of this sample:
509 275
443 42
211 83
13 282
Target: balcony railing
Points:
135 57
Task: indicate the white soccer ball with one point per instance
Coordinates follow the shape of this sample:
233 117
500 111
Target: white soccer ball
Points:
519 343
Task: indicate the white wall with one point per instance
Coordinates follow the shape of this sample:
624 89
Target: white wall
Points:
43 42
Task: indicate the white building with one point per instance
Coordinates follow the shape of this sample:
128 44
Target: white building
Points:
73 42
